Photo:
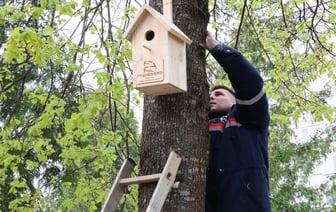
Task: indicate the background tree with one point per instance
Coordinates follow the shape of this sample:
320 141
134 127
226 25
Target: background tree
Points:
61 139
179 121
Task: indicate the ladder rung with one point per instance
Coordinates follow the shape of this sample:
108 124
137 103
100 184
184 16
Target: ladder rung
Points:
140 179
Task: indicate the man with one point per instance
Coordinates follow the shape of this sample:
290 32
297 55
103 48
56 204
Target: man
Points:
237 177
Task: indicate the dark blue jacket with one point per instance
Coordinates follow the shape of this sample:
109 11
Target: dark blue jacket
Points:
237 177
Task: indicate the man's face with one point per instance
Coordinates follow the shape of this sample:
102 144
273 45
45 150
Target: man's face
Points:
221 101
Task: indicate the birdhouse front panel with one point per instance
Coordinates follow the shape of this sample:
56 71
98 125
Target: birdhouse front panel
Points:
158 50
148 57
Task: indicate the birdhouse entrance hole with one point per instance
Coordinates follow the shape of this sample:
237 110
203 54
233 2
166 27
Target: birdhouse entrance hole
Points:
149 35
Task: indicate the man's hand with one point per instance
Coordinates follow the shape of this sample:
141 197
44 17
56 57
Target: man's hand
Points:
210 41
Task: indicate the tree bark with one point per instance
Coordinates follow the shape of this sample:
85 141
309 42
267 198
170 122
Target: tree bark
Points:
179 121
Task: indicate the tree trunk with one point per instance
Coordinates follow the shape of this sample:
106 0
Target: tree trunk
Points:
179 121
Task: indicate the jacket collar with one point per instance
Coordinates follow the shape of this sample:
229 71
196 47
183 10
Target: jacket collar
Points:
218 115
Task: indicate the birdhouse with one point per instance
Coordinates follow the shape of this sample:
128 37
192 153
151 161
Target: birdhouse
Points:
158 52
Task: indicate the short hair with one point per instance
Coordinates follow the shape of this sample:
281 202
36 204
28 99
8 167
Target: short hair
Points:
223 87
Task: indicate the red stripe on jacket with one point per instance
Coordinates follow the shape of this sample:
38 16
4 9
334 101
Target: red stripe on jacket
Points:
219 126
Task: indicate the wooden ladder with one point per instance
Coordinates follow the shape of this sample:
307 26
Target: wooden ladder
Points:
165 182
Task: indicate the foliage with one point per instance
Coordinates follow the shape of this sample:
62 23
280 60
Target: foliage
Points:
62 140
292 43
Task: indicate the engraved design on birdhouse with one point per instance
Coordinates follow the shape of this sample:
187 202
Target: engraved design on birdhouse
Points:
149 67
152 71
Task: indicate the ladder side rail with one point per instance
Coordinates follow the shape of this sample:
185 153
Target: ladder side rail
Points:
166 182
117 189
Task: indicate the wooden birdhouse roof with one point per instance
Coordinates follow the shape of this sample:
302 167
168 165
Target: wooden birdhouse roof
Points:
165 22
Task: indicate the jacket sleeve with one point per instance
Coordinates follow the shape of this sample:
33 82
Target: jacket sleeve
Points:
252 104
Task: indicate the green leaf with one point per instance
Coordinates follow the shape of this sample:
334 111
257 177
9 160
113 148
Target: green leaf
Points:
36 12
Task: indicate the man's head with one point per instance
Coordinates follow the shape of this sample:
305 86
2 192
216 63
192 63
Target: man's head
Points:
222 99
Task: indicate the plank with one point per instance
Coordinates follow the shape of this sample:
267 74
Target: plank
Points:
166 182
118 190
140 179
